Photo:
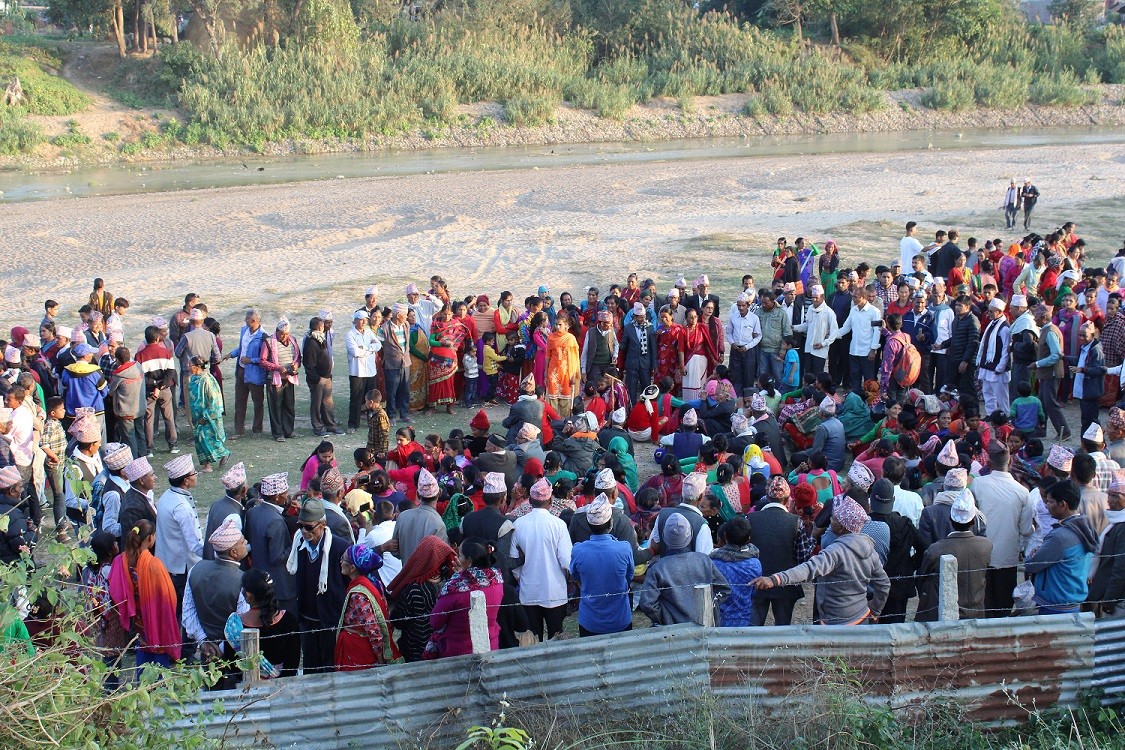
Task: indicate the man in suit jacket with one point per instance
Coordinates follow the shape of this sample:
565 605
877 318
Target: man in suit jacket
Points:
638 342
271 538
1089 374
137 505
394 335
774 531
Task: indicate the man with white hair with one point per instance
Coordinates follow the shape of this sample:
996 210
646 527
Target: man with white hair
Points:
249 377
694 490
674 308
394 338
197 342
745 334
281 357
820 329
994 359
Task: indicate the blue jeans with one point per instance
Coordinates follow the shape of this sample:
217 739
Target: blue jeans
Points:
1010 213
770 362
398 393
743 370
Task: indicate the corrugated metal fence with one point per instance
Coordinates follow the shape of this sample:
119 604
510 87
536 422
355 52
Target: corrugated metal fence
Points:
997 669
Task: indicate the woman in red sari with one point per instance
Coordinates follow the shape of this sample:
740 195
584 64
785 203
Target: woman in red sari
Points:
446 337
671 347
710 320
145 599
699 352
364 637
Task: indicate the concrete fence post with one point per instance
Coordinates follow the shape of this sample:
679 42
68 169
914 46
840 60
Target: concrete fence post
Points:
705 605
478 623
251 650
947 590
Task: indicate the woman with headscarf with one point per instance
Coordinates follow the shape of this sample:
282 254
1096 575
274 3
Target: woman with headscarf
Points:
364 637
671 350
1069 319
620 450
415 590
505 320
449 621
669 483
855 414
145 599
205 400
699 352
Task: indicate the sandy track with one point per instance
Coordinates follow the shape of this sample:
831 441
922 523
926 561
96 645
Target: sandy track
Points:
294 248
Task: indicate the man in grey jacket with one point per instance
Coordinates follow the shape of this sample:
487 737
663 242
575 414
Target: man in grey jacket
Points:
829 438
845 570
394 335
667 595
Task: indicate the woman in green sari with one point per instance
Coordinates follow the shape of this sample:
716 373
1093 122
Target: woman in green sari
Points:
419 363
206 402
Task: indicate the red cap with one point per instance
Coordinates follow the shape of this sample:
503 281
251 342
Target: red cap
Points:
480 421
533 467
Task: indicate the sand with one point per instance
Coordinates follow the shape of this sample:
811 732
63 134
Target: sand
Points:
295 248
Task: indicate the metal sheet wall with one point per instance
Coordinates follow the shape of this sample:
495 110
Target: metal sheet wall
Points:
998 669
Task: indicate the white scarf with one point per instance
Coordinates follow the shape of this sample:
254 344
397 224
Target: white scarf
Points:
325 546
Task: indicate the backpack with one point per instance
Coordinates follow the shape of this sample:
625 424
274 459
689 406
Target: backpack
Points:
909 364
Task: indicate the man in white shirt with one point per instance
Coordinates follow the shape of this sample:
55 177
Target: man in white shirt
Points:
744 333
820 331
994 362
380 533
864 323
179 540
214 590
909 246
1006 504
907 504
541 549
361 345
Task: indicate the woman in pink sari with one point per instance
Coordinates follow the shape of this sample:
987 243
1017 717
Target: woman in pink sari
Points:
446 337
671 348
540 330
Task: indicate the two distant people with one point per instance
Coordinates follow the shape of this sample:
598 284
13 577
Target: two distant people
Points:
1019 197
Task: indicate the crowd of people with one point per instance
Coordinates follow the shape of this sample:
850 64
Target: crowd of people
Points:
843 427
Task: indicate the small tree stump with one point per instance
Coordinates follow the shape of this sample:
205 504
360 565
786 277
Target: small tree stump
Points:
13 94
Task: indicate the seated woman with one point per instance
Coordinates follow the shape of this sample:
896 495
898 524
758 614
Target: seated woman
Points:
817 474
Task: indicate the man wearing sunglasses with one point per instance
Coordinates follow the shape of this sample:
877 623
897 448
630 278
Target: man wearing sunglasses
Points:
315 561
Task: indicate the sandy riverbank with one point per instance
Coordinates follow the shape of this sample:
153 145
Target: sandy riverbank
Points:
294 248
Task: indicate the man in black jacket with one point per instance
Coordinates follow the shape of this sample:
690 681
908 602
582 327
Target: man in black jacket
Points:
320 586
16 537
905 555
946 255
963 344
318 376
1108 586
774 530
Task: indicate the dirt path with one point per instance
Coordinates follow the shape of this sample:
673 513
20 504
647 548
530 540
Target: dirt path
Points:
107 122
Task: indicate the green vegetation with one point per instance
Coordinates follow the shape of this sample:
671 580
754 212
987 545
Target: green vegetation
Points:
55 696
827 711
46 93
328 69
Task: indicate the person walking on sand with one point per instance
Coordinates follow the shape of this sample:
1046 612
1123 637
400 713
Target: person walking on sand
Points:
1011 204
1029 196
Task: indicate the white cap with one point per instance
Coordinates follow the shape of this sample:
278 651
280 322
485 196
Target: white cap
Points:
1094 433
618 415
371 290
1018 300
964 508
997 304
604 480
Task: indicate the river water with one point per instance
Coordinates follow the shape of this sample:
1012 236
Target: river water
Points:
150 177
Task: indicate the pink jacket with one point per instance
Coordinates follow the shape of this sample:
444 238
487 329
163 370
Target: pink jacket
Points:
270 361
452 612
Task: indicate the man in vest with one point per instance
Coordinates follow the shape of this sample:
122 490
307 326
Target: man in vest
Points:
214 589
993 360
1049 367
117 457
229 506
600 350
136 504
694 490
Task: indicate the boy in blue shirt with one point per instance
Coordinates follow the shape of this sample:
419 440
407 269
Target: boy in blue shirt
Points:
1027 411
791 370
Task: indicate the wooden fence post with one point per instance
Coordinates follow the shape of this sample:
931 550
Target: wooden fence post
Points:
705 605
478 623
251 650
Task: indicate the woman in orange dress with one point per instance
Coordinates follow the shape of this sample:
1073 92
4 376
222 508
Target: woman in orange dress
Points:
563 367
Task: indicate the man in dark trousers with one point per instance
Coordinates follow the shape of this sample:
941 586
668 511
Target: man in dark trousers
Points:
315 561
229 505
904 556
1029 195
945 255
774 531
638 342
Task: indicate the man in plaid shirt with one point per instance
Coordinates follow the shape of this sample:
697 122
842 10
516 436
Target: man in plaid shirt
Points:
1093 442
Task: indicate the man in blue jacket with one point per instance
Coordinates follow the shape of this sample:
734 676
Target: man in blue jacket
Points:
1060 566
249 375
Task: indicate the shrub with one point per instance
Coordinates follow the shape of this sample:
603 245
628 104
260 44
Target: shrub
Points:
529 110
1061 90
1001 87
18 135
953 96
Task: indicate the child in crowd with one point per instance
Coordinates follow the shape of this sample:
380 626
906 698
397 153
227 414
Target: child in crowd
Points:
53 443
791 371
472 373
378 423
491 365
1027 411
